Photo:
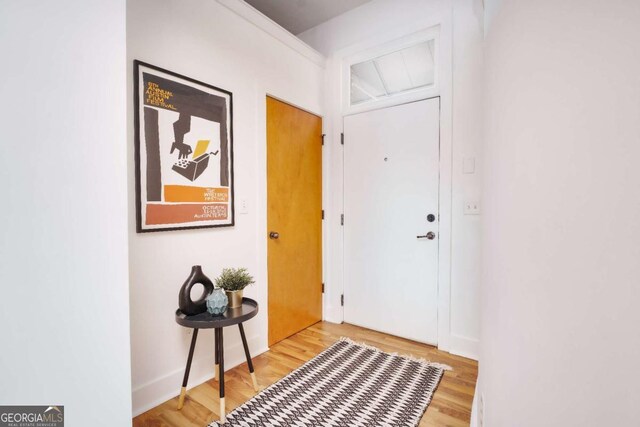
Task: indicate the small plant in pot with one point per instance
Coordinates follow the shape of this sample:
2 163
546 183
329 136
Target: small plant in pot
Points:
233 281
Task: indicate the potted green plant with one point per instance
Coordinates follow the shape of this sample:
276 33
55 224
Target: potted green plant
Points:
233 281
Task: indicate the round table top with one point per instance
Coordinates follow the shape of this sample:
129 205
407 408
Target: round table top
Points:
232 316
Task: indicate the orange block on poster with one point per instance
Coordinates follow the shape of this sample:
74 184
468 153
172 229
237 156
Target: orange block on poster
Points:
186 193
159 214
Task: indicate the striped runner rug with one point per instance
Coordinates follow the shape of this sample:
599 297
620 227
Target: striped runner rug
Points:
348 384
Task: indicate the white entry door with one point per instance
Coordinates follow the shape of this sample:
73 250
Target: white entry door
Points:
391 171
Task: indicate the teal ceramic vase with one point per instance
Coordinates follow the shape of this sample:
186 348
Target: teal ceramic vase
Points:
217 302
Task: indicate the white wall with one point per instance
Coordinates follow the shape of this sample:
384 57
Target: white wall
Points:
64 280
378 22
204 40
560 298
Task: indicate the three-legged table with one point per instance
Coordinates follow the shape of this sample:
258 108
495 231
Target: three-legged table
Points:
233 316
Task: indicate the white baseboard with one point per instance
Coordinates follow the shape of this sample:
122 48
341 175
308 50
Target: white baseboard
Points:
475 415
463 346
167 386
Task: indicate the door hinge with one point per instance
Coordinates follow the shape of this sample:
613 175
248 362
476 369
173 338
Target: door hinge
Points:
322 213
341 219
342 138
323 139
323 288
342 300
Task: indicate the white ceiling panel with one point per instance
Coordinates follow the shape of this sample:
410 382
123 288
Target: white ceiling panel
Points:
394 72
419 62
406 69
366 76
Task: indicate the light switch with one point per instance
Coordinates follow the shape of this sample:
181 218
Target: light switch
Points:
469 165
242 206
472 207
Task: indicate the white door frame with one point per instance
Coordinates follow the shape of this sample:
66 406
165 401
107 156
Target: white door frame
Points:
444 90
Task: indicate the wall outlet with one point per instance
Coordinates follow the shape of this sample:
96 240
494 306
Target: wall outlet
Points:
472 207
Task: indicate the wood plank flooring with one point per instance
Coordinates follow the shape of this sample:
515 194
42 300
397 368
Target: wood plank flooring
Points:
451 404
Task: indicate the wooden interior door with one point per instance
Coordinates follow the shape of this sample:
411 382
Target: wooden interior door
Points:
294 212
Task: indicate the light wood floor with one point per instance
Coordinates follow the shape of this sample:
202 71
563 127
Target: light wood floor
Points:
451 404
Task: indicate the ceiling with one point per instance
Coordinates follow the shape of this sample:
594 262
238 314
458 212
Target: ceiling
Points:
406 69
298 16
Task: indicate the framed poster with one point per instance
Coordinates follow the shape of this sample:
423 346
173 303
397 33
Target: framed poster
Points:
184 152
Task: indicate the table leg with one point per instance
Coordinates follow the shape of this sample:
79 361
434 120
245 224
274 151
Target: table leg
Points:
183 390
246 353
223 415
216 368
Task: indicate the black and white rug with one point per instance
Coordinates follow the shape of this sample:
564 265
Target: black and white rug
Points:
348 384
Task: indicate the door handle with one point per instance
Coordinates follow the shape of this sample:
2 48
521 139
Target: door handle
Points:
430 235
274 235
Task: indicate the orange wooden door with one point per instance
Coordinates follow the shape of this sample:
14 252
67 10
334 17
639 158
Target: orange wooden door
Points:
294 211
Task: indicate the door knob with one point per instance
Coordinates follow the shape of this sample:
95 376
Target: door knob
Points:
430 235
274 235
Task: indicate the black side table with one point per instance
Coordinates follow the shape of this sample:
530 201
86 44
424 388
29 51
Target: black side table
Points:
233 316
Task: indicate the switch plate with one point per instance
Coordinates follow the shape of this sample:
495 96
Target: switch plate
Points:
472 207
469 165
242 206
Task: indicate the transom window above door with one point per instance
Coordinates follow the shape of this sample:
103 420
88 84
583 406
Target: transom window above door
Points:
407 69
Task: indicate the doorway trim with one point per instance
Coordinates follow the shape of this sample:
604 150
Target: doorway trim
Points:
335 66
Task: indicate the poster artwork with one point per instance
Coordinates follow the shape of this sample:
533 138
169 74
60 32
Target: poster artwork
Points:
184 156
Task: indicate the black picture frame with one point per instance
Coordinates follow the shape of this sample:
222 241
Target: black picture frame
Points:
140 227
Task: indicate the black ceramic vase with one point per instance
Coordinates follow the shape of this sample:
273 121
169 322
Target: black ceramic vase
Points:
186 304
